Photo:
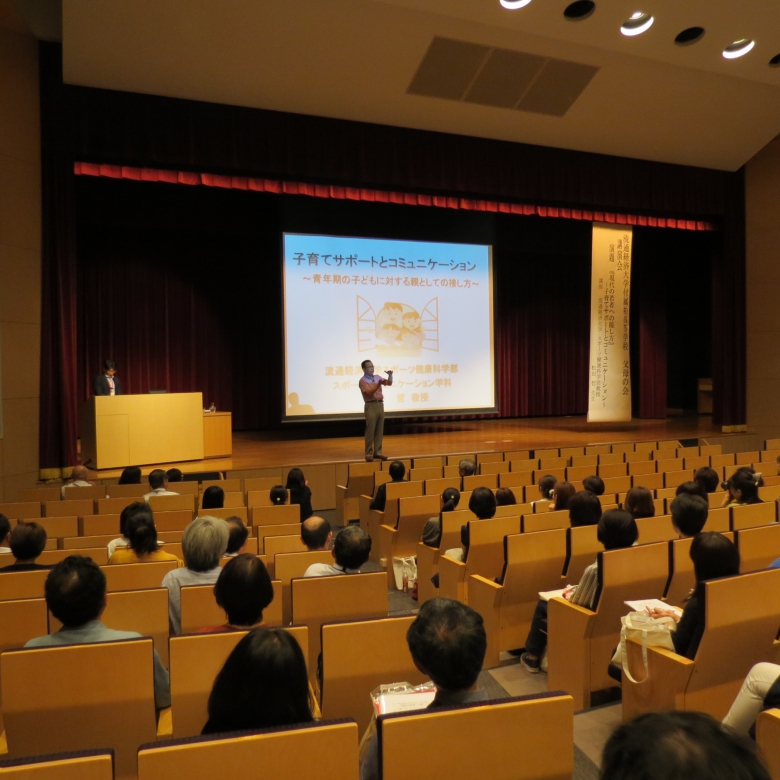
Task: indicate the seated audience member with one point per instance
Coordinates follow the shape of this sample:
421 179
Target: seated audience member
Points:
158 482
28 541
692 489
584 509
431 535
204 542
78 478
505 497
617 530
350 551
141 534
278 495
639 502
562 493
594 484
5 534
546 487
447 642
299 492
689 514
713 556
743 488
397 471
760 691
263 684
243 590
127 513
679 746
75 593
130 476
467 467
213 498
707 478
483 504
316 534
175 475
238 534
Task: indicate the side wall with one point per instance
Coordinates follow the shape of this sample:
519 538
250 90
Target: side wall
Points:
20 261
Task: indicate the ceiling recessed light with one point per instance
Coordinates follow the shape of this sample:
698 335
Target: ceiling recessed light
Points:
637 24
513 5
738 48
775 61
579 10
689 36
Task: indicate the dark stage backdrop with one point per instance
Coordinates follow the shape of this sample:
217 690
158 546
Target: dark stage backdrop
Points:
187 281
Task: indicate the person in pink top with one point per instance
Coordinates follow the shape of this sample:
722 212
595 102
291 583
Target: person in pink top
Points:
371 389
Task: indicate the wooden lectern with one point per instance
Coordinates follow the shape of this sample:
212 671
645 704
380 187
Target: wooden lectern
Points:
136 430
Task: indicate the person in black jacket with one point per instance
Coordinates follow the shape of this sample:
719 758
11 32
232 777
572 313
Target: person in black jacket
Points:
299 492
713 556
397 472
108 382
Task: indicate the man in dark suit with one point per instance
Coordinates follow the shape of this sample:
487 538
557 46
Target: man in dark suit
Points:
108 382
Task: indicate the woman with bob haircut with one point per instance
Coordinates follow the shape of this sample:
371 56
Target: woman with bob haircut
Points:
213 498
562 493
243 590
142 537
263 684
639 502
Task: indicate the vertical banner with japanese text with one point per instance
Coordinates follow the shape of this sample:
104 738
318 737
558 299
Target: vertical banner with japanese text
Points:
609 385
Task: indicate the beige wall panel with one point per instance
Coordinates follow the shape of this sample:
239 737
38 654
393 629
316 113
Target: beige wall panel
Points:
763 357
20 423
762 395
20 346
761 246
19 105
20 203
14 484
762 306
20 291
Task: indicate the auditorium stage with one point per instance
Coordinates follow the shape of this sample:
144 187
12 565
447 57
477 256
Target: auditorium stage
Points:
332 443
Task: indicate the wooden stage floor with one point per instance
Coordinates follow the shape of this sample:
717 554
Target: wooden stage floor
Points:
301 446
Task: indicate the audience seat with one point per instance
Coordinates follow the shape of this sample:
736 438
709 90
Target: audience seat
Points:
544 520
136 576
359 656
423 474
228 485
59 527
522 738
136 492
71 765
742 616
582 641
199 608
22 584
262 532
106 689
97 525
227 511
275 754
113 506
196 659
582 549
768 738
681 576
318 600
758 547
428 462
533 563
289 566
360 482
50 557
427 566
435 487
39 494
22 510
656 529
275 515
169 503
262 483
282 544
485 557
78 493
752 515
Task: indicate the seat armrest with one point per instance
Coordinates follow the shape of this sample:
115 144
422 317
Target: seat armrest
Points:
452 575
485 598
165 724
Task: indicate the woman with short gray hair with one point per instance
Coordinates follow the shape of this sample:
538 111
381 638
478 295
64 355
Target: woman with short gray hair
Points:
204 542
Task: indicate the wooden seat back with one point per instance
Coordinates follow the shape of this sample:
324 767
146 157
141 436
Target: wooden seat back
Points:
480 480
259 498
50 557
59 527
227 511
719 520
106 688
38 494
752 515
281 544
261 483
98 525
359 656
486 545
496 467
78 492
655 529
435 487
275 515
228 485
136 492
428 462
422 740
451 523
768 738
318 600
681 576
263 532
758 547
114 505
196 659
413 513
199 608
20 621
546 521
582 549
87 765
514 510
281 753
289 566
22 510
188 488
137 576
70 508
516 479
396 491
168 503
423 474
22 584
173 519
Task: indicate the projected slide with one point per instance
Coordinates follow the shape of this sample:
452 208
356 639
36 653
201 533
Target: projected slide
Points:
424 310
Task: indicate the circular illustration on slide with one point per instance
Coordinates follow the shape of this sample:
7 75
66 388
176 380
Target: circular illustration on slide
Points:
397 328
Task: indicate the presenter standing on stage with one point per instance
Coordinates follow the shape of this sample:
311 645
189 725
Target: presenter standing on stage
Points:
108 382
371 388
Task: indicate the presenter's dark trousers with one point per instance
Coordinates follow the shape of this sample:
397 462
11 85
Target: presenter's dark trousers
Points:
375 427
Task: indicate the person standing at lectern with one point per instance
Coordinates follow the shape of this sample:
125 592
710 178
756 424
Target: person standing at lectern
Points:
374 408
108 382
